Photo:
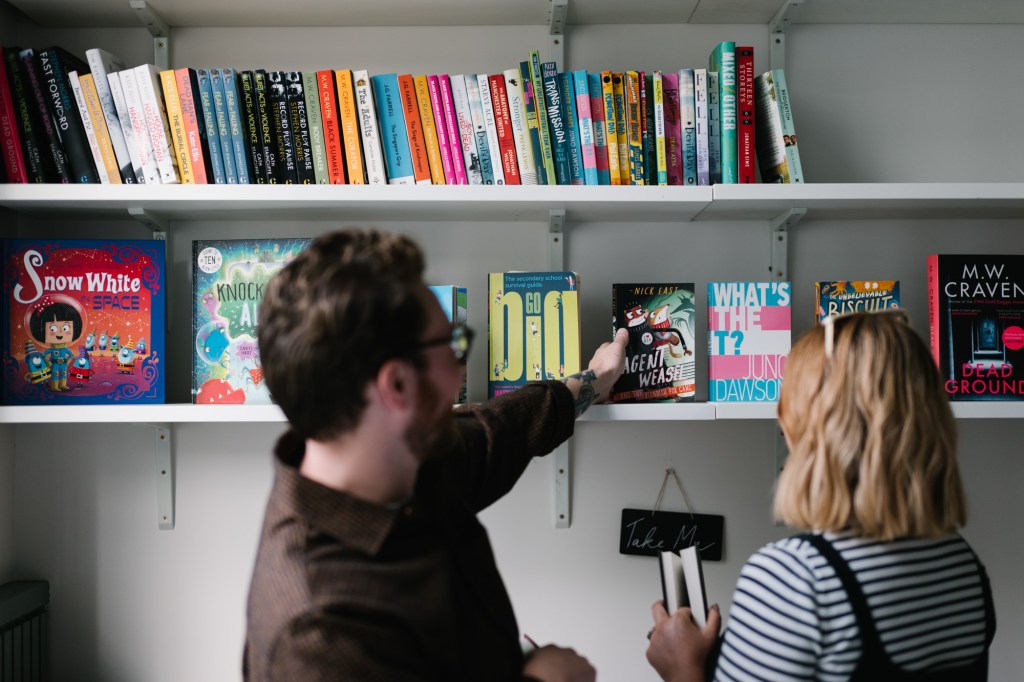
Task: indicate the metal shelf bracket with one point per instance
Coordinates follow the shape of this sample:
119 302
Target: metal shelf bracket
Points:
563 486
156 223
780 224
556 32
162 446
556 239
777 33
158 28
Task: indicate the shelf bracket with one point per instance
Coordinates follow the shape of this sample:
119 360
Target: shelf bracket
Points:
156 223
556 239
777 33
158 28
557 15
164 475
563 486
780 224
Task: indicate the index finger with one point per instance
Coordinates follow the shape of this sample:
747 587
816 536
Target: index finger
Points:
658 612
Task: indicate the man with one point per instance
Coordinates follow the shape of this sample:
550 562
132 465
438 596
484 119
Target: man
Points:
372 564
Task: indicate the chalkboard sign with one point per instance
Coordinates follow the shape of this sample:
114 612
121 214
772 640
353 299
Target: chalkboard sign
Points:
644 533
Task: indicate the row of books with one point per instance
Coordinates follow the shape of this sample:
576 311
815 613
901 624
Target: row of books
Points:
83 322
65 120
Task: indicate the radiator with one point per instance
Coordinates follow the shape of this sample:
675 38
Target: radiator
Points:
23 636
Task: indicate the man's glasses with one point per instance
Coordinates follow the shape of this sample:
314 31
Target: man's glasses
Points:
832 321
460 341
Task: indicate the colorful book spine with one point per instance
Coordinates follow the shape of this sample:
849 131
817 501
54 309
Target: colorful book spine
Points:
124 85
714 130
38 167
429 123
547 154
236 126
101 64
661 151
490 127
414 129
82 113
220 112
788 129
451 121
700 110
673 129
570 116
281 122
745 146
204 80
771 148
618 88
368 130
195 125
301 137
611 127
688 125
555 115
443 132
55 64
176 122
723 60
634 140
533 124
393 132
466 133
350 134
268 142
51 148
10 138
584 111
599 127
649 154
148 77
331 127
519 126
476 117
315 123
749 335
253 127
503 129
96 128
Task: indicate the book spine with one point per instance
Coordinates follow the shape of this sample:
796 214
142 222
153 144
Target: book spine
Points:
771 149
414 129
533 124
934 302
90 133
441 126
204 79
490 128
634 140
51 148
745 115
467 134
253 129
132 139
370 135
503 129
393 130
299 120
268 141
527 172
331 126
350 127
714 130
543 129
723 61
220 111
10 139
101 64
570 118
476 115
588 149
37 165
451 122
429 123
156 121
611 127
281 120
796 173
646 84
314 121
618 87
236 126
599 128
673 131
700 110
64 111
556 122
659 129
688 125
176 123
195 125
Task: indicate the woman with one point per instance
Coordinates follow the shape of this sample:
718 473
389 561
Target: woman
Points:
883 587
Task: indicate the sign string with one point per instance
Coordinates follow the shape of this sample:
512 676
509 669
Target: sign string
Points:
661 492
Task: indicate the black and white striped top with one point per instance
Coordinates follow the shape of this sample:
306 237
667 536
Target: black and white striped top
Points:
791 620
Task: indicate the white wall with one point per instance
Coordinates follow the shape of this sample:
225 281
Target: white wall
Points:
871 103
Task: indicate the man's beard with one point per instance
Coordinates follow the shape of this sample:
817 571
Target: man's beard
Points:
433 425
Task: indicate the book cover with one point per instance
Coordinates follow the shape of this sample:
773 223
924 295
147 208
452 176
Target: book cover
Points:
220 112
102 64
463 125
600 128
393 132
745 114
228 280
444 143
207 108
723 61
714 130
660 318
83 321
197 141
55 65
414 128
50 147
976 324
490 127
841 298
796 172
749 327
453 302
176 123
350 134
268 143
155 116
634 127
769 142
98 155
619 98
660 151
476 118
570 117
544 135
700 110
533 328
38 163
331 127
236 126
503 129
682 583
451 122
533 124
124 89
429 121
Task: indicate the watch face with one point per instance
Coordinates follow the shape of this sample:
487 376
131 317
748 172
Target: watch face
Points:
646 338
210 260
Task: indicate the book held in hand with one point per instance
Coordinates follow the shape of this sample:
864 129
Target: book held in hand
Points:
682 583
844 297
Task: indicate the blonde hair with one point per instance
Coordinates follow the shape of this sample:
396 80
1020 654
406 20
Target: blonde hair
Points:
871 435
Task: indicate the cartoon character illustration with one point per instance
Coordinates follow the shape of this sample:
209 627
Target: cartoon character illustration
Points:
533 329
56 325
664 333
38 370
536 371
81 369
90 341
115 343
126 358
103 340
140 345
497 370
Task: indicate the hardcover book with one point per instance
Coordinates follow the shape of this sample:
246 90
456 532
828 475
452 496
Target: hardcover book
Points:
976 324
749 327
840 298
453 302
83 321
228 280
533 328
660 319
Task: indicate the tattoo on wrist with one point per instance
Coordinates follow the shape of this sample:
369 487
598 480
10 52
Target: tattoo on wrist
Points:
587 393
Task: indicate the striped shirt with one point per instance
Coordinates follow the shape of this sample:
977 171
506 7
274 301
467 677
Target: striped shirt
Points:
791 619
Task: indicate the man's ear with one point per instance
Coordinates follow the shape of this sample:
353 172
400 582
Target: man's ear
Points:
395 384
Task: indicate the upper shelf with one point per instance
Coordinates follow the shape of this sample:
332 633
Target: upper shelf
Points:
581 204
220 13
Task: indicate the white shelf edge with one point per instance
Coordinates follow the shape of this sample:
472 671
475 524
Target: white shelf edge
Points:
746 410
650 412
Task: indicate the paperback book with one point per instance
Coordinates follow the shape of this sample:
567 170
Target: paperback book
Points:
840 298
83 321
749 330
533 328
228 280
976 324
660 365
682 583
